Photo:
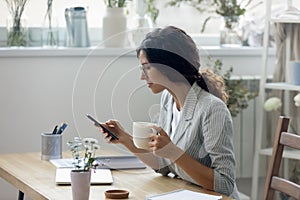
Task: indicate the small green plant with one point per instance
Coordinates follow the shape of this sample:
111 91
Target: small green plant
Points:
115 3
83 152
17 32
229 9
152 10
51 37
239 94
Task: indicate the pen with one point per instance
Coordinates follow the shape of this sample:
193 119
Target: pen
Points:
54 130
62 128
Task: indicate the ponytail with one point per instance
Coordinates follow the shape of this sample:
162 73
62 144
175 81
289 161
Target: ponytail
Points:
213 84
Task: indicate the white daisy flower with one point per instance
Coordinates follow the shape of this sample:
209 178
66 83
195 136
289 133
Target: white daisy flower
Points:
89 141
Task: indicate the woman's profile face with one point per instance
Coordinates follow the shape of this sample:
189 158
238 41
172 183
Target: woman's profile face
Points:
156 81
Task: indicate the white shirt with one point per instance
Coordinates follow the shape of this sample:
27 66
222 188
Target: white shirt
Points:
175 120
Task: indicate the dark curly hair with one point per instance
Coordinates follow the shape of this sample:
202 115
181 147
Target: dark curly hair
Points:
171 48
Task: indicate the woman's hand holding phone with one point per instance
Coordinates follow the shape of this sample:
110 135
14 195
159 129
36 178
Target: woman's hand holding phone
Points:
104 129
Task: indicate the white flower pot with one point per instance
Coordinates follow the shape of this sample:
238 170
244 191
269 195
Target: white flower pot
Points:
114 28
80 182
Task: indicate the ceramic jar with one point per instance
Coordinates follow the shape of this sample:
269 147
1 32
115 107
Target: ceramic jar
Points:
80 182
114 28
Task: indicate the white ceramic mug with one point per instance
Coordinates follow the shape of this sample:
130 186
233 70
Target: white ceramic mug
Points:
141 133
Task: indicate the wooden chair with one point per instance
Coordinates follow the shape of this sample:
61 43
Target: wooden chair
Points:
273 181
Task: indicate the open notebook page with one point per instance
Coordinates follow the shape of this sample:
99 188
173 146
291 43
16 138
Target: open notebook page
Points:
184 194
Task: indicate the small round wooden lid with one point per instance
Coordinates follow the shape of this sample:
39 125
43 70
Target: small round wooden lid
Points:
116 194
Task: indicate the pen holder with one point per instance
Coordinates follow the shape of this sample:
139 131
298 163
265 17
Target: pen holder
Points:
51 146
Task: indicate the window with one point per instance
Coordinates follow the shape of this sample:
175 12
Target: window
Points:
185 16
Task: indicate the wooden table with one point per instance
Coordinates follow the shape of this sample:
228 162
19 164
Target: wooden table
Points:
35 178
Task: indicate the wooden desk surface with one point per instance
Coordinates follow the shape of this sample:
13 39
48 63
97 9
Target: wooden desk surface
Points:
36 178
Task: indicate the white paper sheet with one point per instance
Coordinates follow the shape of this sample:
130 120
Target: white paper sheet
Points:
184 194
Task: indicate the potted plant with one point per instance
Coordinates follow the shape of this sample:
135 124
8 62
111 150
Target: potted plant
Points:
115 3
239 94
152 10
83 152
114 24
17 31
50 29
229 10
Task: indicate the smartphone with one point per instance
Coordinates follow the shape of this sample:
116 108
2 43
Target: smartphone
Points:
104 129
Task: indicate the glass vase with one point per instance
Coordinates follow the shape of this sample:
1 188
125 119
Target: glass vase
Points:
17 31
50 32
231 33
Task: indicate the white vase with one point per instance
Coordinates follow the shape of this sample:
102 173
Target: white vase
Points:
80 182
114 28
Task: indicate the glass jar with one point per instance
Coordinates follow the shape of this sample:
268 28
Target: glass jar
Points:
50 32
231 33
17 31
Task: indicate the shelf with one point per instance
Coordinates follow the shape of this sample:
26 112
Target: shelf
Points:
282 86
285 21
291 154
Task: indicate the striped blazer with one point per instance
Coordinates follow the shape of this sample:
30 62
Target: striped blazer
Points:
204 132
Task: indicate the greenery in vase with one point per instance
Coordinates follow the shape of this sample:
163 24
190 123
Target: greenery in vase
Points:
152 10
50 37
17 34
239 94
229 9
115 3
83 152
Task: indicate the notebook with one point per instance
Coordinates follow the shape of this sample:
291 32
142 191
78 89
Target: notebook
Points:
98 176
106 162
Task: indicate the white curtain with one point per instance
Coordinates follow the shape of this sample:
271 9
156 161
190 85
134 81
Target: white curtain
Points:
281 31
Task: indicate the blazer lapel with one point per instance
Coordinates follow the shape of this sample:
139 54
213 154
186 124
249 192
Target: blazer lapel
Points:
187 113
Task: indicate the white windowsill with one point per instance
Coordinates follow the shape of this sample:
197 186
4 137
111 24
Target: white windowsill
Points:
102 51
208 45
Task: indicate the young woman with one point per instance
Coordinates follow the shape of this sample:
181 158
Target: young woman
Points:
195 126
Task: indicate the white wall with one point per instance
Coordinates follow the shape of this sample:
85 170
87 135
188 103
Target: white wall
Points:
190 19
41 88
38 92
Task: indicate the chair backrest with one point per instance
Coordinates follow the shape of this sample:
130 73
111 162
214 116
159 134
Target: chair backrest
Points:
273 181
